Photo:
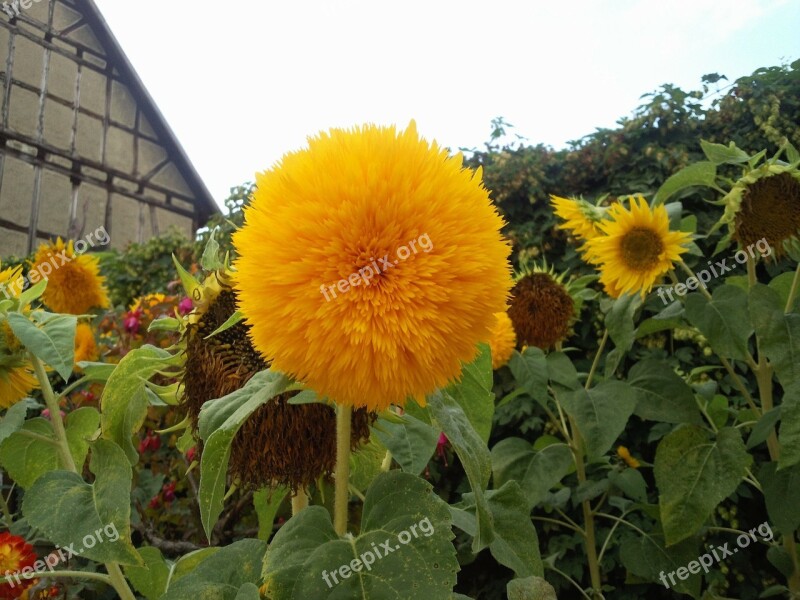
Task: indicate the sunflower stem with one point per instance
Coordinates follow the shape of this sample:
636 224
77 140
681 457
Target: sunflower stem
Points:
387 462
793 291
342 473
115 576
299 501
55 413
763 371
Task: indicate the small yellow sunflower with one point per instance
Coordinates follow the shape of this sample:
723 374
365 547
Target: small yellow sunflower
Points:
370 266
16 382
580 217
625 455
75 285
637 247
85 344
542 309
503 340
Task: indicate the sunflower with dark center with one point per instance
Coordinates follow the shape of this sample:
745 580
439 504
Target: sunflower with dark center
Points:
280 443
770 210
541 310
637 247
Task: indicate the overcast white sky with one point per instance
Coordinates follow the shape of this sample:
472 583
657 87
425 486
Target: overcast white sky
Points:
243 81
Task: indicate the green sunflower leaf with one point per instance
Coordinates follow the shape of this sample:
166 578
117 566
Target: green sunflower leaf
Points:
403 550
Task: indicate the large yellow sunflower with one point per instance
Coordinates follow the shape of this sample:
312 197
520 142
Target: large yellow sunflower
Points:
637 249
370 265
503 340
75 285
580 217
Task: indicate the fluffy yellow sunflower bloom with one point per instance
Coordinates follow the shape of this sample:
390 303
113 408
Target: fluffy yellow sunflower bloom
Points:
370 265
75 285
503 340
85 343
637 249
580 217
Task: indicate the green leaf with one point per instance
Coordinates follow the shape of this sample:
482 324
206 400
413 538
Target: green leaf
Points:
562 372
763 427
27 458
474 392
720 155
70 511
536 472
646 557
124 401
780 492
236 318
13 419
790 427
32 293
365 463
530 371
694 474
779 333
411 442
187 564
515 544
474 456
164 324
210 260
404 547
221 575
721 320
601 413
661 395
631 482
267 502
248 591
190 284
151 579
53 341
530 588
701 173
237 407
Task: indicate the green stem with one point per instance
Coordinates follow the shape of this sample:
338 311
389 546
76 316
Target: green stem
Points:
793 290
763 371
299 501
342 473
65 575
118 582
115 576
568 578
55 414
386 464
596 360
561 524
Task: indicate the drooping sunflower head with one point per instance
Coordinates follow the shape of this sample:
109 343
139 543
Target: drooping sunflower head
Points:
280 443
503 340
764 206
371 265
15 555
637 247
542 309
85 344
580 218
74 285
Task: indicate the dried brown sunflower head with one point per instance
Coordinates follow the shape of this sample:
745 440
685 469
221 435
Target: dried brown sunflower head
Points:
541 309
280 443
